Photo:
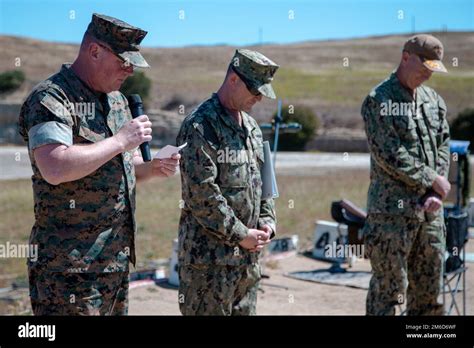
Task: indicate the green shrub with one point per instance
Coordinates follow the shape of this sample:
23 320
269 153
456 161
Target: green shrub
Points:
11 80
462 127
138 83
309 122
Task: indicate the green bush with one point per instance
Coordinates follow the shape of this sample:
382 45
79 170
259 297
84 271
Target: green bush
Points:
11 80
138 83
462 127
309 122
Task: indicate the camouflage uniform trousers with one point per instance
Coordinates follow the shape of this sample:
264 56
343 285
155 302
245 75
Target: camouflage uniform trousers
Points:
218 289
407 258
57 293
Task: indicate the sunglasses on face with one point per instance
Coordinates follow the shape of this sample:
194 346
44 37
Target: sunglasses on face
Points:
421 60
255 92
125 63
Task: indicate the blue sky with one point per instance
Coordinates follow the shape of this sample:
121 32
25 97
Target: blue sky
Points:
241 22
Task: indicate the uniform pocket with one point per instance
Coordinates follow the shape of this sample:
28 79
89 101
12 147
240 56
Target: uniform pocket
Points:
432 114
234 175
406 127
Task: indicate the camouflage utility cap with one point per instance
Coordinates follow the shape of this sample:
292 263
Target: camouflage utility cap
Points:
255 70
123 39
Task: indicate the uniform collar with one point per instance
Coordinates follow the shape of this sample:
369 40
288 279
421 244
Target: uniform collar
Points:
80 88
421 95
228 119
246 122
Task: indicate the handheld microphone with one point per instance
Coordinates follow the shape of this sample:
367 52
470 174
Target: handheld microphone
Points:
136 107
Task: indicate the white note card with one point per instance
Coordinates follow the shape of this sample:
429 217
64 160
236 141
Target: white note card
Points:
168 151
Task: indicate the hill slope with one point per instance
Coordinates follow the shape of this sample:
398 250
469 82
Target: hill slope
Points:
312 73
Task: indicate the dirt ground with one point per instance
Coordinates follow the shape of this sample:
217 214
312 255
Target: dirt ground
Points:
281 295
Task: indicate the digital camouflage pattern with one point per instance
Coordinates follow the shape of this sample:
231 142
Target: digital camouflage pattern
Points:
407 150
218 290
56 293
407 258
123 38
409 146
221 191
221 186
255 70
86 225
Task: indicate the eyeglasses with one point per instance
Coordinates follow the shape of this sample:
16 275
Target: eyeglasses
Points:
125 63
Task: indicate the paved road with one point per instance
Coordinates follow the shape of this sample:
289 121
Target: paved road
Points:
15 163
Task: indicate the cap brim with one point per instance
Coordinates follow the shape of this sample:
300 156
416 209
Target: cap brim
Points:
267 91
135 58
435 65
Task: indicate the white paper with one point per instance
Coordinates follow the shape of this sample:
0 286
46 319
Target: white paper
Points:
168 151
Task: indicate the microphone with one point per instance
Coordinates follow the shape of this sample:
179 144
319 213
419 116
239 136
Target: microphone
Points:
136 107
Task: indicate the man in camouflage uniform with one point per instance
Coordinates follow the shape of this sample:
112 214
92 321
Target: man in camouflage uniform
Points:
82 146
224 222
408 137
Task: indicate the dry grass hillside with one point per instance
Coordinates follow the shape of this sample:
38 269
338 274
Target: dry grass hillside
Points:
312 73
